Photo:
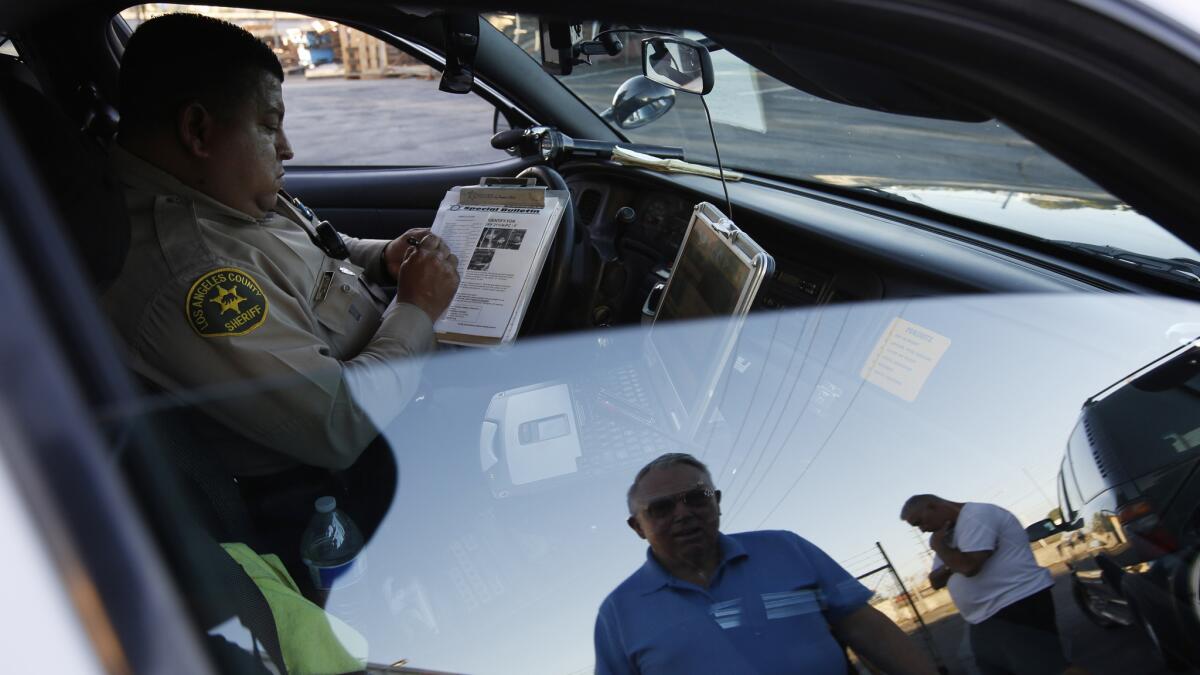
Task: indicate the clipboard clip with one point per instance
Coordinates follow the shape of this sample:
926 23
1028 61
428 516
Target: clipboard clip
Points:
508 181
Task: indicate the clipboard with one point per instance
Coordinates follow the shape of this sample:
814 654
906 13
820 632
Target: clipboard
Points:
501 231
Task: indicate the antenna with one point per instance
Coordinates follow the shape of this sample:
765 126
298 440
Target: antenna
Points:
720 167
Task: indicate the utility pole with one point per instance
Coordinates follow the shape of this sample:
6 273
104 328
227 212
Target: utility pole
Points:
925 634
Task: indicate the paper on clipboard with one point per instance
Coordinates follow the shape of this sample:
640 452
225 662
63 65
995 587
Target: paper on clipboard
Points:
502 196
501 249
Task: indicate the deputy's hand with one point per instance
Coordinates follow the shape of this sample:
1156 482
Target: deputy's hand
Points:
428 276
397 249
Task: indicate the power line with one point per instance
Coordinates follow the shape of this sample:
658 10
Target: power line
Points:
796 422
743 496
813 461
753 395
837 425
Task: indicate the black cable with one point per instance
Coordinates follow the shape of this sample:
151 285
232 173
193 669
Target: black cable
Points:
647 31
720 168
707 42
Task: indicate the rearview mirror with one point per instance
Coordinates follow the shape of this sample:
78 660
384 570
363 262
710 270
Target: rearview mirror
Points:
678 63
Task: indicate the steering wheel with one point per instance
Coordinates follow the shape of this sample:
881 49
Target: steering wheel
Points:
546 305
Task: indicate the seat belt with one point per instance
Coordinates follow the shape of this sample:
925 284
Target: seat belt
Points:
249 604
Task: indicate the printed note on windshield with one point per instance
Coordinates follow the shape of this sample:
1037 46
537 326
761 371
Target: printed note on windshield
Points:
903 358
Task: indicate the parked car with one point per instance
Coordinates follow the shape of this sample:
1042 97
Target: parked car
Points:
1128 484
980 213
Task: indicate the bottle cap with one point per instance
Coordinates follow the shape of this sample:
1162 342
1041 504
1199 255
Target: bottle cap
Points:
326 504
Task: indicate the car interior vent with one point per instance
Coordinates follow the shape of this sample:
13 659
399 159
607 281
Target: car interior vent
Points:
1087 429
588 202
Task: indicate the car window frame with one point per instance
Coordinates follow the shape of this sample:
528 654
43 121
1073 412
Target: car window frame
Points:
87 516
119 31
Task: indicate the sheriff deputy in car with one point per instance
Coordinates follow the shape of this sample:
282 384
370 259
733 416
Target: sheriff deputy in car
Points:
230 281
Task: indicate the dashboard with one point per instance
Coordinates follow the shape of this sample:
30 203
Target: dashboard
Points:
632 238
632 226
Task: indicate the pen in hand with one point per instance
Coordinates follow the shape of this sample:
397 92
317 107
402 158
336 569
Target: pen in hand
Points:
413 242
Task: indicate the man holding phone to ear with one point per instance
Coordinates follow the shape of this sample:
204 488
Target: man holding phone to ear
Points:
754 602
983 557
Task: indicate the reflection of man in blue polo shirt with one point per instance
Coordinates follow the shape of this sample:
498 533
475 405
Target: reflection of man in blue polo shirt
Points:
754 602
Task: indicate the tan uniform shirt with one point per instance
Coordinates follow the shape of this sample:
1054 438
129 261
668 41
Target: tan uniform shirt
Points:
249 320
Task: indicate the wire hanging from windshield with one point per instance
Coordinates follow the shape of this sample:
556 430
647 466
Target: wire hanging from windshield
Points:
720 167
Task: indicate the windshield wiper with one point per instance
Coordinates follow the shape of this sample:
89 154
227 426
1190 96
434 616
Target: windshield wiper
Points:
1177 269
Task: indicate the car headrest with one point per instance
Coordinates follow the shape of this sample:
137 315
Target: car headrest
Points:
100 120
74 169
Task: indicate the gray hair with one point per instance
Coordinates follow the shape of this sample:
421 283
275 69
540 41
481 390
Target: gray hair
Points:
663 462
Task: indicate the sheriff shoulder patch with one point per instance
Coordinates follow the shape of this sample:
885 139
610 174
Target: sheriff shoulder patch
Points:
225 302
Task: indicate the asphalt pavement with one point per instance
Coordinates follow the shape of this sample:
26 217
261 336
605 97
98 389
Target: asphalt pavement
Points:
408 122
391 121
765 124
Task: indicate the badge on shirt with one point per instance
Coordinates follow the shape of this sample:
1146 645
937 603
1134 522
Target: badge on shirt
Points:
225 302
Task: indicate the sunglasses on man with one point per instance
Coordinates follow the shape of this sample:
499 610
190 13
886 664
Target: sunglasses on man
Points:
697 497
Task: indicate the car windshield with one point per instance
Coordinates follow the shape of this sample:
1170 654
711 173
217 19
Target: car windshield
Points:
984 171
507 525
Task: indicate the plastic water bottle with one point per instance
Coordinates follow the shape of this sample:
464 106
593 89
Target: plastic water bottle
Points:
331 549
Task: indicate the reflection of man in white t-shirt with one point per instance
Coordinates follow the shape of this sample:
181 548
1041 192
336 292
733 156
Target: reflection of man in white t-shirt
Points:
983 557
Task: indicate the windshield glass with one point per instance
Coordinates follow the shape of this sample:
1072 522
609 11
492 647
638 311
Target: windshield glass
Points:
505 526
983 171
